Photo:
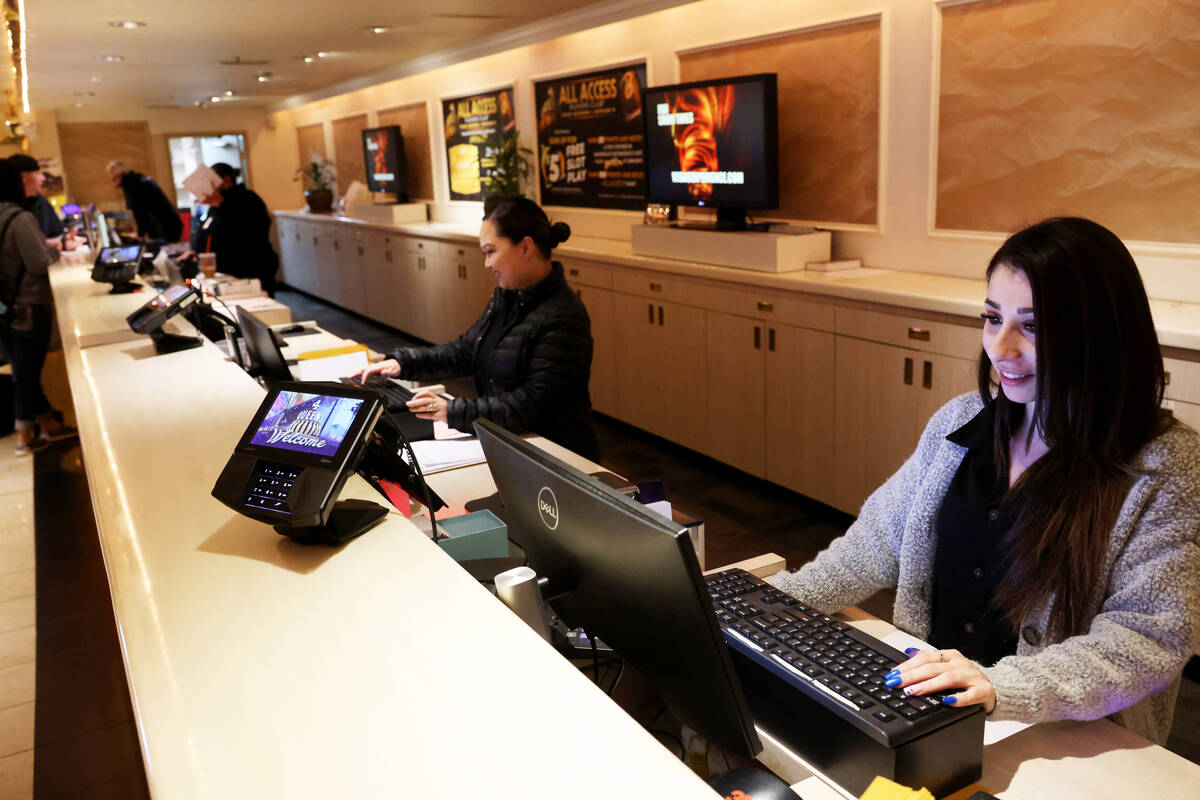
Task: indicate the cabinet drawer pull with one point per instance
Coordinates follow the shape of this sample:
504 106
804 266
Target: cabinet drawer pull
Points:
919 334
660 318
927 375
771 339
757 338
650 306
766 307
573 272
656 287
908 371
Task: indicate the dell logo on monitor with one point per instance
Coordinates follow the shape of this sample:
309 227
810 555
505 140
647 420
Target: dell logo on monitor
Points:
548 507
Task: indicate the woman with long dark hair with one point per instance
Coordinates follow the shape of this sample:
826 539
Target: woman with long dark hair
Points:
1044 535
530 352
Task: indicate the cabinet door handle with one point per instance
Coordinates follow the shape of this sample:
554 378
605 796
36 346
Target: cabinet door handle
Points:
908 371
771 339
314 241
651 309
360 250
579 293
297 236
1166 378
927 375
766 307
919 334
656 287
387 256
573 272
660 318
757 338
336 245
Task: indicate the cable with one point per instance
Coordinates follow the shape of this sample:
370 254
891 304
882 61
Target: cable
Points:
620 672
595 658
416 465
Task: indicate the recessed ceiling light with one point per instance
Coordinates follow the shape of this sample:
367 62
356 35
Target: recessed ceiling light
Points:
110 59
378 30
215 99
322 54
229 92
263 77
128 25
95 79
309 59
79 105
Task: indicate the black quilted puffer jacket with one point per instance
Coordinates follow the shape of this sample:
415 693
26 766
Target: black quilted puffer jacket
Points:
536 377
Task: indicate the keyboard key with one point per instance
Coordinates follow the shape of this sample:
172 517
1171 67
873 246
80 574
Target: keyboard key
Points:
883 716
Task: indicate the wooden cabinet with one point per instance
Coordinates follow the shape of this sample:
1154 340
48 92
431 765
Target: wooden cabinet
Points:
884 397
661 370
737 413
800 445
296 255
603 385
350 262
468 287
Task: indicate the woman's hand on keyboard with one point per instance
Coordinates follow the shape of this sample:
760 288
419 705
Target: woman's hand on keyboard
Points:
427 405
389 368
929 671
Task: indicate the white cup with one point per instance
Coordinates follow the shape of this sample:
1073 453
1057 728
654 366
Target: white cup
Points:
518 589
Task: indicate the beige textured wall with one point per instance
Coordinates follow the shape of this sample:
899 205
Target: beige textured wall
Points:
310 139
87 147
1083 107
828 115
414 127
348 152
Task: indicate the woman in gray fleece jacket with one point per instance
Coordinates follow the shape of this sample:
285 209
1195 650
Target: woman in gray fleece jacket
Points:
1090 557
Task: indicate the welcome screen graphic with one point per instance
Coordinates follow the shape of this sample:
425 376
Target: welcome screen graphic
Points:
706 144
307 423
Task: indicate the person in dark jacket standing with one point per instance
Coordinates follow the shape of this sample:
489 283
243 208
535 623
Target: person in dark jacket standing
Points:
154 214
531 351
32 177
238 230
25 329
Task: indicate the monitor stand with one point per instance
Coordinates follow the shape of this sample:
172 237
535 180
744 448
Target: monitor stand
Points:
172 342
125 287
349 518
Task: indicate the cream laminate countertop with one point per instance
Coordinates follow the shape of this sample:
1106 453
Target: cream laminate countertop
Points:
1178 323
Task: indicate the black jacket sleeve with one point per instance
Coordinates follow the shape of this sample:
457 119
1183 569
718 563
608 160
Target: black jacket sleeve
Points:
450 360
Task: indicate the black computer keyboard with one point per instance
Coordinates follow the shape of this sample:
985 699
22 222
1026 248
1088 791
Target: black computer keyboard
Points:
822 682
395 396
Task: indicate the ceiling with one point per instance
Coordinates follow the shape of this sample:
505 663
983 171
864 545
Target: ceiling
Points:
174 59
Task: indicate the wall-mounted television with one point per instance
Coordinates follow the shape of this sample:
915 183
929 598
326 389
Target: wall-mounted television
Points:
714 144
386 164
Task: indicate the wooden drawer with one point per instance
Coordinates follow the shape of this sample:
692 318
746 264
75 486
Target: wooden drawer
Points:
1183 380
771 306
425 247
658 286
588 273
914 333
457 253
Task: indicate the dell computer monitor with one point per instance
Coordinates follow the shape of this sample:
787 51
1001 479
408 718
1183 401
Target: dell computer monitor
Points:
262 348
715 144
627 575
386 164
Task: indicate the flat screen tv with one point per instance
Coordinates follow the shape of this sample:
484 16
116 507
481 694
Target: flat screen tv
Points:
386 165
714 144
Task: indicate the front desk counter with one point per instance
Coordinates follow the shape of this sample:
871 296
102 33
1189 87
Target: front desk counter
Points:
261 668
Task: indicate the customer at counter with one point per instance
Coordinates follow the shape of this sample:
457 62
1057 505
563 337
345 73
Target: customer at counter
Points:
238 230
33 178
530 352
1045 535
27 315
153 213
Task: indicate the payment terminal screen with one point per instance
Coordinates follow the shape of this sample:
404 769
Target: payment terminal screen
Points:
116 255
307 423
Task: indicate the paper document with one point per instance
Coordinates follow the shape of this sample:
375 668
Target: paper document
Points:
203 182
993 731
331 367
436 456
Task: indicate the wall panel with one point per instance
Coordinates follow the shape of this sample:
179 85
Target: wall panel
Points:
87 147
1084 107
414 126
311 139
348 151
828 115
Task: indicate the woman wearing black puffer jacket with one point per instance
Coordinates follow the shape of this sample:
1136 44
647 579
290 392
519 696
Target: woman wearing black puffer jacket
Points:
530 352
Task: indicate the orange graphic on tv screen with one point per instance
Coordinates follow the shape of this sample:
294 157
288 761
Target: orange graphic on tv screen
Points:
379 157
696 143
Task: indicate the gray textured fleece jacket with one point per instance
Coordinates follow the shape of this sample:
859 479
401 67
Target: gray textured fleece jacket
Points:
1146 610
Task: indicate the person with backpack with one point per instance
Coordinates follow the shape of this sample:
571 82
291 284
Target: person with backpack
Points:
27 315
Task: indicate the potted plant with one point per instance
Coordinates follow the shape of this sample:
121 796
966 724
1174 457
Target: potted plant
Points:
510 168
318 180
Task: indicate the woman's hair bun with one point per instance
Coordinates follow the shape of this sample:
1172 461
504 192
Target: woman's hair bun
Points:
560 232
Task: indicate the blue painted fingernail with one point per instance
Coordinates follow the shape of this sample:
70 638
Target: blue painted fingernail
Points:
911 651
892 682
949 701
891 674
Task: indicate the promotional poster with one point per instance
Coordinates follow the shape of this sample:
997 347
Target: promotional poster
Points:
474 128
707 145
590 139
307 423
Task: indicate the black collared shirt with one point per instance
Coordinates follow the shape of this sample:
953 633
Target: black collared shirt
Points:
969 561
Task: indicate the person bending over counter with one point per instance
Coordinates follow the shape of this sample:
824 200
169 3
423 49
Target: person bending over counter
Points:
238 230
1044 534
530 352
153 213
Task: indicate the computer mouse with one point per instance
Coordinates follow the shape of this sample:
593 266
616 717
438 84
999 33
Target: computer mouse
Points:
748 783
